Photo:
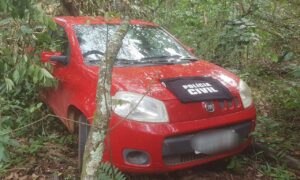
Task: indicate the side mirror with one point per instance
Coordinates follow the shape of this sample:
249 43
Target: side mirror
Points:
61 59
191 50
53 57
45 56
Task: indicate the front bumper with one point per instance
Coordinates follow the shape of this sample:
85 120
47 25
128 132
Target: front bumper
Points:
151 138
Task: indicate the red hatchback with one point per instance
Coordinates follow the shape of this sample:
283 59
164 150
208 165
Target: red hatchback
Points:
177 111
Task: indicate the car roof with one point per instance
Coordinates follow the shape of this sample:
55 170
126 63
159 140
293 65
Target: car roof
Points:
72 20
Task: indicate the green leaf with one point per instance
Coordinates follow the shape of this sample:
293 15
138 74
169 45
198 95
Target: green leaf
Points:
296 72
26 30
274 58
46 73
5 21
16 75
51 24
39 105
288 56
3 156
13 142
9 84
35 79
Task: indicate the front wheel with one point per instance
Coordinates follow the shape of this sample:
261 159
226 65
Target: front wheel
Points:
83 134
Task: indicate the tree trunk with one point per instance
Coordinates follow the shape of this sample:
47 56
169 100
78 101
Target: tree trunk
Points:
69 5
95 144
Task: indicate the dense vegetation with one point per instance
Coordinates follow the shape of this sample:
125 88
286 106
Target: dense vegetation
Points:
23 33
257 39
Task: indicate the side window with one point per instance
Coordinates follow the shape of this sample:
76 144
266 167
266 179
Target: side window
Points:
59 41
92 41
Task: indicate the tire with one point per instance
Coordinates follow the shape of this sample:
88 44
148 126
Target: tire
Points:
83 133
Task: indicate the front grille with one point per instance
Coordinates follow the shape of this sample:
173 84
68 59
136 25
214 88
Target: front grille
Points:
182 158
234 103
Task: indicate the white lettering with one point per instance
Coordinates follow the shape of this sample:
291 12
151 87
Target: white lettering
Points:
199 92
209 89
192 92
212 89
190 86
204 90
199 88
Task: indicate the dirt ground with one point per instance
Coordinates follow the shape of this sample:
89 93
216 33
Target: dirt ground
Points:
56 159
61 163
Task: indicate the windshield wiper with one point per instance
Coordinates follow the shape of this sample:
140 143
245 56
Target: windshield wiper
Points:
124 61
189 58
176 59
169 60
92 62
160 57
140 61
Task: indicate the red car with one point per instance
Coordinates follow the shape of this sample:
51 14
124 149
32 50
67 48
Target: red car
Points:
177 111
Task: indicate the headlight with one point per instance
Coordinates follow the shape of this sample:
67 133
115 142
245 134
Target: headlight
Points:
139 107
245 94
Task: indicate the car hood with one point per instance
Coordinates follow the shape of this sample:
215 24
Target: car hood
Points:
146 79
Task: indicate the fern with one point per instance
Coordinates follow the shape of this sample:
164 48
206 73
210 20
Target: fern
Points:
107 171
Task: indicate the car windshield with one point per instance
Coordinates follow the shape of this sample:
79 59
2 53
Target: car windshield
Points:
141 45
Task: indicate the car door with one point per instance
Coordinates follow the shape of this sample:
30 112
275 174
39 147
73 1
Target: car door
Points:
59 96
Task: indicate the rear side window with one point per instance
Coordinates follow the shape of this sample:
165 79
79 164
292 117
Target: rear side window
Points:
59 41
